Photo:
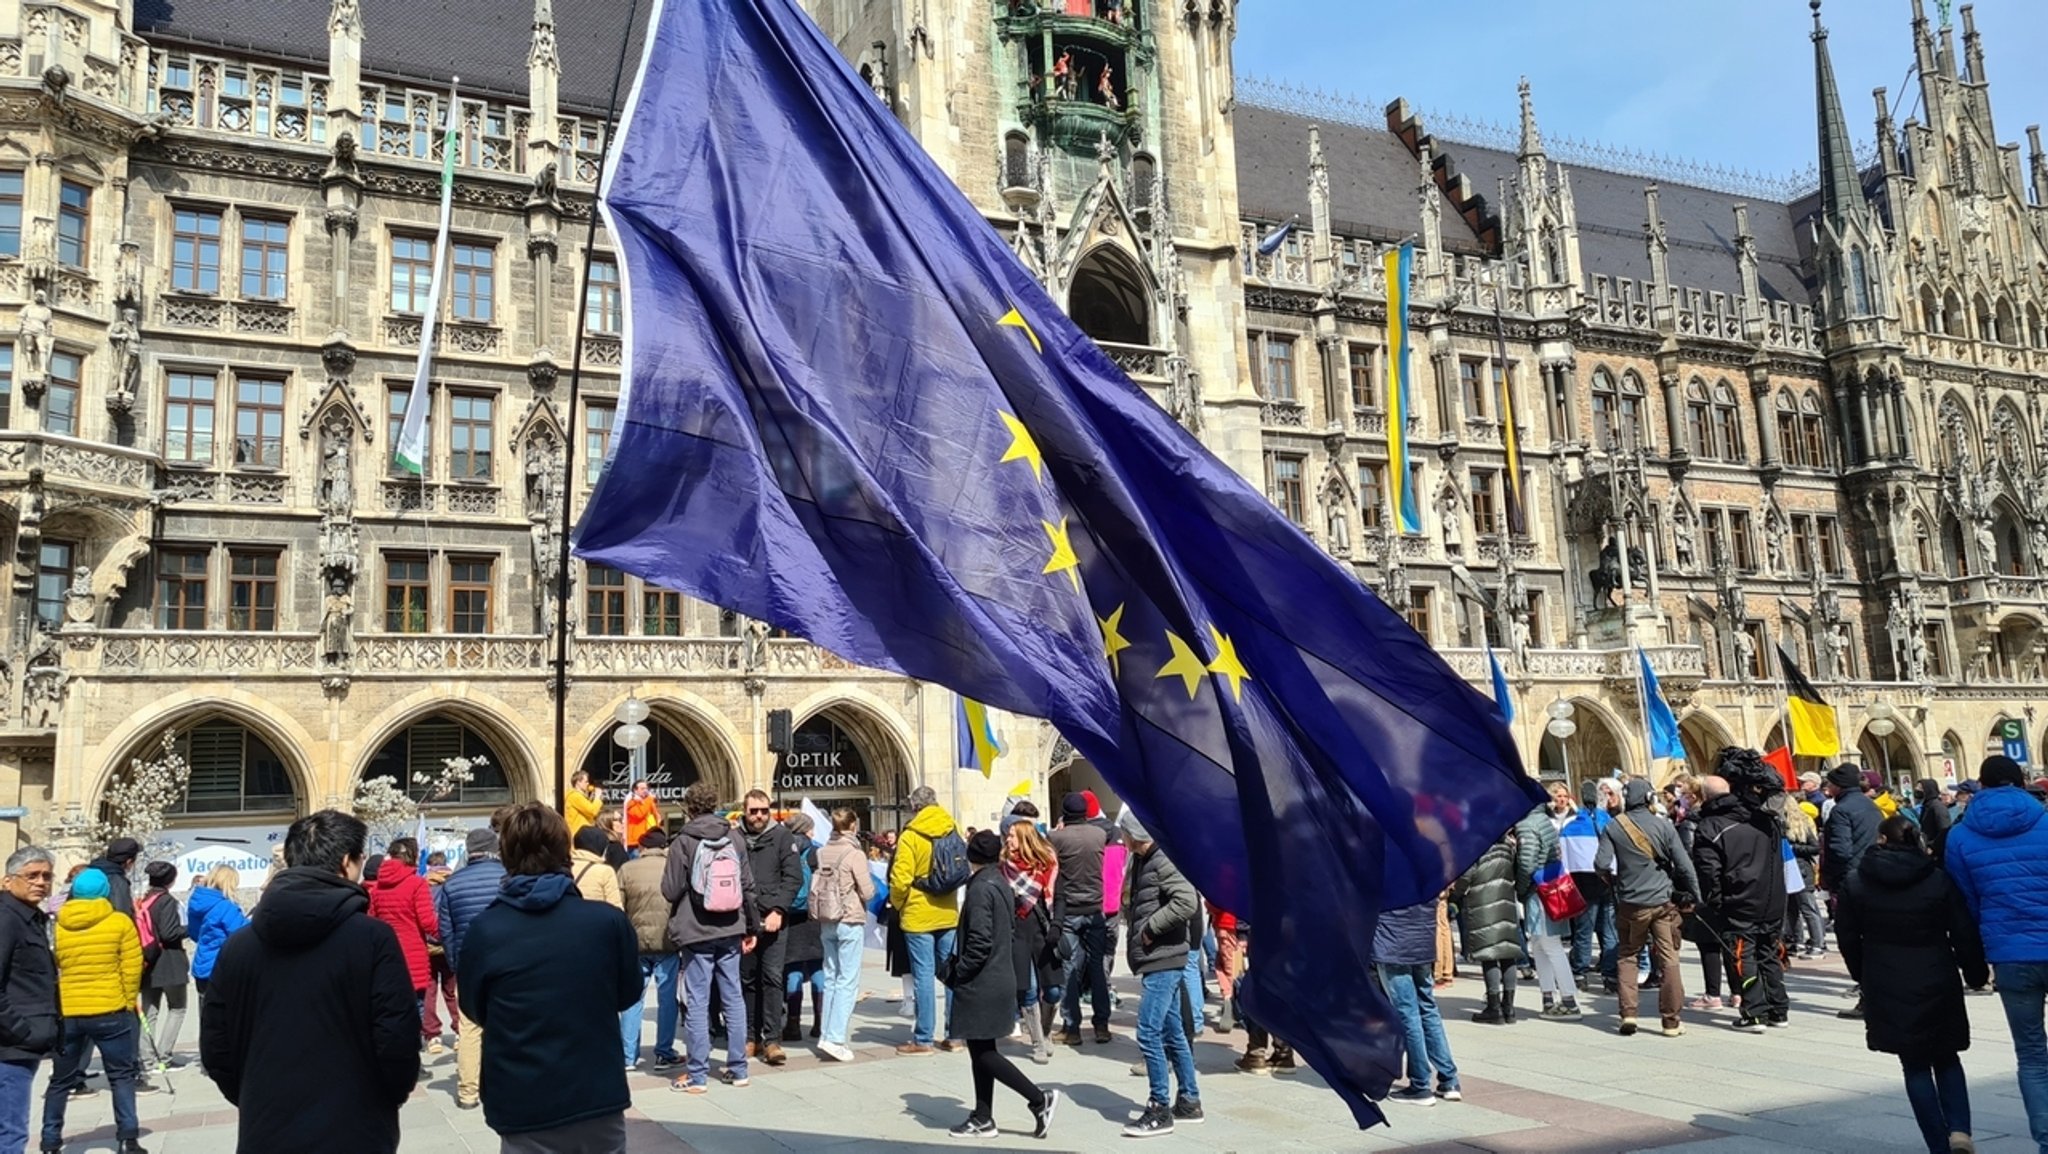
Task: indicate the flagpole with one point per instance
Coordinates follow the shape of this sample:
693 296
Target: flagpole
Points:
571 427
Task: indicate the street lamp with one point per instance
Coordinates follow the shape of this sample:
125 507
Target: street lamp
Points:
632 736
1881 727
1561 726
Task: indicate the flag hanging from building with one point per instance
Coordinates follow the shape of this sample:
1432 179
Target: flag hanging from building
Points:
1271 242
411 450
849 411
975 738
1503 703
1657 715
1812 719
1510 438
1398 265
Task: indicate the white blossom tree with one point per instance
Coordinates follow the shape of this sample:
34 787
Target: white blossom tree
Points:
391 811
139 802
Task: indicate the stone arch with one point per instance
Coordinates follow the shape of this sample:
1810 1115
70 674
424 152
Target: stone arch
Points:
1895 754
2008 530
704 734
2015 650
885 740
2036 335
1954 321
2008 323
137 737
1956 432
1108 297
2009 427
492 719
1703 734
1930 310
1987 325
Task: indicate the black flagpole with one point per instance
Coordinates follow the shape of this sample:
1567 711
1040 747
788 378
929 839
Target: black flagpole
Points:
569 420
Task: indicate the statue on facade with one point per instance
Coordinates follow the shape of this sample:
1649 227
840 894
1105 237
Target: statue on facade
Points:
340 548
126 341
1063 76
1684 538
1394 584
546 184
1987 543
1835 644
1897 628
753 645
543 464
337 486
337 639
43 683
545 556
34 335
79 601
1745 653
1774 535
1449 503
1337 517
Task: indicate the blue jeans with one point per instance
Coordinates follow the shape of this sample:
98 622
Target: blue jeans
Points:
701 964
843 944
115 1035
16 1078
1941 1100
1413 992
1197 994
925 951
1163 1039
662 968
1087 936
2022 987
1597 923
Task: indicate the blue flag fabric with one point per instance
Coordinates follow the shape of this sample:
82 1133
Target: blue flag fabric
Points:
850 412
1272 241
1503 702
1663 723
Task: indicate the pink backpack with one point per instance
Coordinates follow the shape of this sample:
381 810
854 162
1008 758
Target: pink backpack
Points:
145 924
715 875
1114 858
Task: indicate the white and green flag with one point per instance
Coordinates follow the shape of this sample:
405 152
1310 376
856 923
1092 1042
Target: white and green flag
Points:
411 449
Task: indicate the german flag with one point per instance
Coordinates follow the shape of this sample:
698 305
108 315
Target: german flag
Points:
1812 718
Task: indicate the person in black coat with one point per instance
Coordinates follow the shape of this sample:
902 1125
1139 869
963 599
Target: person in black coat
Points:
1850 829
547 974
983 978
309 1025
778 875
1737 855
1906 933
30 1027
166 970
115 863
1934 819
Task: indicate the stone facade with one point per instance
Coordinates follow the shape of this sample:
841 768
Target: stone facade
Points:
1808 421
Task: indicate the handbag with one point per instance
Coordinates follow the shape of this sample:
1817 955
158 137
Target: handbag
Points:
1558 893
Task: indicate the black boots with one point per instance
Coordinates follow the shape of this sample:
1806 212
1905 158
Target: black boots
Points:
1507 1002
1490 1016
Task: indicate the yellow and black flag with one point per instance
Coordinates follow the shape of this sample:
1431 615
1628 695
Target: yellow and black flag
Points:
1518 518
1812 719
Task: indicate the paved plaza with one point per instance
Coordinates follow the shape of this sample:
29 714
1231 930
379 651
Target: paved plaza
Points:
1538 1086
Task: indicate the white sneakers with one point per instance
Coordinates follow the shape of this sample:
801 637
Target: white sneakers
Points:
835 1051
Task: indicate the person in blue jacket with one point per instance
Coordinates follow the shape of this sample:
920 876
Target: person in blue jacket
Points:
212 914
457 903
1998 856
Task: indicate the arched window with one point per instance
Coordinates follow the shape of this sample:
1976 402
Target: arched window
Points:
1953 321
1953 548
1635 432
1790 445
1016 160
1108 299
1859 283
233 771
1930 310
1727 423
1699 426
2008 324
1813 431
1144 172
1923 546
415 758
1987 328
1606 409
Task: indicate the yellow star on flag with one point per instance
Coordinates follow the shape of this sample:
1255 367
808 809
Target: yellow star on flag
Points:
1063 558
1185 665
1227 663
1016 320
1022 447
1113 642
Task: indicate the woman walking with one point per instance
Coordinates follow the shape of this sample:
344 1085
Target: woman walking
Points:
1905 932
212 915
984 985
166 971
1032 869
841 889
1536 848
1490 916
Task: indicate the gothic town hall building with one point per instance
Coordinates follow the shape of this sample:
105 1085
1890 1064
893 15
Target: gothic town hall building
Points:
1747 417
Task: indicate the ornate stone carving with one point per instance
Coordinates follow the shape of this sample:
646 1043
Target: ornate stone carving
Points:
256 488
79 601
337 485
44 682
34 336
126 341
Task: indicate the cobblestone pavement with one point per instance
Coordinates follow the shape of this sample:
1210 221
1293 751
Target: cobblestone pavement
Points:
1541 1085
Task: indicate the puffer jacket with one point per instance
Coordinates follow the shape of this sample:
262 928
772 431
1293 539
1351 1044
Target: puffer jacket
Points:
401 899
919 912
689 923
468 892
1847 834
1406 937
595 879
1163 912
1536 847
1739 857
1998 856
99 959
213 916
640 887
1488 909
1907 937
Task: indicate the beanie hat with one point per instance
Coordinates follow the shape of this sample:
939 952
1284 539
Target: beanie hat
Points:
1968 785
1094 806
1846 777
1998 769
123 849
1134 830
89 884
984 847
479 843
1074 806
161 873
654 839
591 839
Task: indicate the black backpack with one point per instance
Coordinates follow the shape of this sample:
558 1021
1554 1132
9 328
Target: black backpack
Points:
949 869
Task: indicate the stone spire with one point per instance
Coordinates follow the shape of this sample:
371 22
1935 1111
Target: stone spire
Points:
344 68
543 81
1532 140
1973 46
2037 161
1840 193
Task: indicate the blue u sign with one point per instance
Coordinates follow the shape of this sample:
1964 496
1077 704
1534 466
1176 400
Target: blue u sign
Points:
2014 734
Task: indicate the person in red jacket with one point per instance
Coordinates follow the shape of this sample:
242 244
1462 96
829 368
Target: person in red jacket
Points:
401 899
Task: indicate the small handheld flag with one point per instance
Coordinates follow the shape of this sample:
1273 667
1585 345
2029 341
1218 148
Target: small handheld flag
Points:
1812 719
411 450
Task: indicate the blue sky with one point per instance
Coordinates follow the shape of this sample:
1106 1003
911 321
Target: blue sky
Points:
1728 82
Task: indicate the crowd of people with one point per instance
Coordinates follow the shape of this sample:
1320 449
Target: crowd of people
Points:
1002 935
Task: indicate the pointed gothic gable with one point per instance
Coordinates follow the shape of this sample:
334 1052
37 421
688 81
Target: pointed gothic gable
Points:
1101 216
339 396
540 417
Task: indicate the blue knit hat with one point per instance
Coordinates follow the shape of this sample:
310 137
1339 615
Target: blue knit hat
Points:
89 884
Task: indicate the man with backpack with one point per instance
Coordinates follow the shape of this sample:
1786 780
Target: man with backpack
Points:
710 890
778 875
925 876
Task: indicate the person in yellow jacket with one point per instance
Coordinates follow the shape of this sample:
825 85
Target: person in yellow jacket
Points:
99 976
928 919
582 805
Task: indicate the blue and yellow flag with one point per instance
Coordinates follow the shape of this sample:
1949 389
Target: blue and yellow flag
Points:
1407 510
1503 700
974 737
847 410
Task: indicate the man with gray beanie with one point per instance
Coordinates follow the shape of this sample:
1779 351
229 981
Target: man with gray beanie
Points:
1652 879
457 902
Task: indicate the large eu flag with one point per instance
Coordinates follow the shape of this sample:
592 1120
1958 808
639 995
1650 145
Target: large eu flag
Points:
849 411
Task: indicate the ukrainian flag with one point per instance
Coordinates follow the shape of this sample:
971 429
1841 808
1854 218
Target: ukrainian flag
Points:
975 737
1407 513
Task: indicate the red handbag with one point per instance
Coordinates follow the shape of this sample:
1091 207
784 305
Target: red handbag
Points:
1559 894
